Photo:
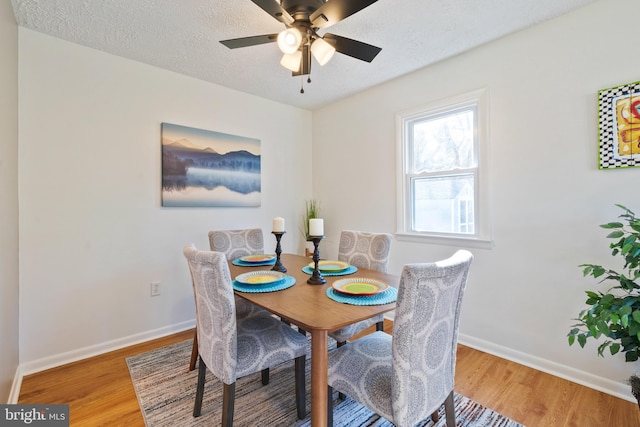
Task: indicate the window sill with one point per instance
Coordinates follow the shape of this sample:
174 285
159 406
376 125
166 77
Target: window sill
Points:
466 242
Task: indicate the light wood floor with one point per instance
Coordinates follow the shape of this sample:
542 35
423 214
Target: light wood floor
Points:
100 393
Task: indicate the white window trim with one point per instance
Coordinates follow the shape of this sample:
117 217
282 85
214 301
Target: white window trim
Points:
483 238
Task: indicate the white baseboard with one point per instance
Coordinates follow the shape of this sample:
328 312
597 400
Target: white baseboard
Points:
568 373
38 365
14 393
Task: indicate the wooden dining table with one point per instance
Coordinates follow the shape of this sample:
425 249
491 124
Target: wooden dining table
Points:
308 307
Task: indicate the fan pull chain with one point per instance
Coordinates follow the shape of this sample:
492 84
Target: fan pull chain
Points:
302 82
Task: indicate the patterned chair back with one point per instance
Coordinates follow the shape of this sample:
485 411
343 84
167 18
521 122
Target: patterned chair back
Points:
215 312
237 243
365 250
425 335
234 244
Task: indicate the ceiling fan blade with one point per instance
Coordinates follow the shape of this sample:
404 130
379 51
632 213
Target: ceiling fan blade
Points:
249 41
274 9
353 48
334 11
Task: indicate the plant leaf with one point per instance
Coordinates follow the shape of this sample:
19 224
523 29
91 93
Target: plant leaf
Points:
615 318
615 234
612 225
582 340
614 348
592 294
624 321
598 271
603 327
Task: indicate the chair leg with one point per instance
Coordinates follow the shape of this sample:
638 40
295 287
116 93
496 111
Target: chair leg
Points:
449 410
202 370
194 352
330 407
265 376
380 326
341 395
301 391
228 401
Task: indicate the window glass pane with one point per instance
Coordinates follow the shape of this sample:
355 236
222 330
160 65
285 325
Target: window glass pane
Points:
443 204
443 142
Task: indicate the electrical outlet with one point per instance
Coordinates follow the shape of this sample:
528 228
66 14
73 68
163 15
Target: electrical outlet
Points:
155 289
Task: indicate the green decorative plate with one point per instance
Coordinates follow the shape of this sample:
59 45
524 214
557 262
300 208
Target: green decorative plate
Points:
258 258
359 286
330 266
265 277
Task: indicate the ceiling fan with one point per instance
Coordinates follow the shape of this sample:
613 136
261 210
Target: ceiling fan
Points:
300 40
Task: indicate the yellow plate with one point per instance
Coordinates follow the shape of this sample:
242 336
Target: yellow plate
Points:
333 266
359 286
258 258
260 277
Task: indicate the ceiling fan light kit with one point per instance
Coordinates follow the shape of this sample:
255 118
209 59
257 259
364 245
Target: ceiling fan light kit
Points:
300 40
291 61
322 51
289 40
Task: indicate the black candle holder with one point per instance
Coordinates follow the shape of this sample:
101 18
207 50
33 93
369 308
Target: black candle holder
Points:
316 278
278 265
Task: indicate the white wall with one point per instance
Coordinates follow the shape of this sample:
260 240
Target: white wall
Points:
547 195
92 232
8 199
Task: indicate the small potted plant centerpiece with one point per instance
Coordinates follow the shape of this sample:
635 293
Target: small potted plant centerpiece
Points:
312 210
615 313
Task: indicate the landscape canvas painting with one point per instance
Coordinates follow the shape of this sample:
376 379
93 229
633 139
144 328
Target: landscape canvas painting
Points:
203 168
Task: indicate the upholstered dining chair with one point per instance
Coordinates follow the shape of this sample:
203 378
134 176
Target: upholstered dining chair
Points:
232 347
364 250
235 244
407 376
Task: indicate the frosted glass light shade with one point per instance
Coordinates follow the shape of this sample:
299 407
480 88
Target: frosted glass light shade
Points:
322 51
289 40
291 61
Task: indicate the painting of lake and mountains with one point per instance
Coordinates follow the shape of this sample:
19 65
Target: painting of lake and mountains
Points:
206 168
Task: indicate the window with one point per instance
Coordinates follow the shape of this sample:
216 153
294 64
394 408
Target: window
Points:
442 148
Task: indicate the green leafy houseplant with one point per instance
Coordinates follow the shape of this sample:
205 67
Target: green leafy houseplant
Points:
615 314
312 210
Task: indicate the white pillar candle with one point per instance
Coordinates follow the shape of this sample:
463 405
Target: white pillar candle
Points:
316 227
278 225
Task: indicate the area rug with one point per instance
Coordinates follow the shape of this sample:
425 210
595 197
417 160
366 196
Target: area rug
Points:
166 392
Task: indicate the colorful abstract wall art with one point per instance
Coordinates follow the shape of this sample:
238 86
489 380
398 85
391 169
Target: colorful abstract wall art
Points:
619 126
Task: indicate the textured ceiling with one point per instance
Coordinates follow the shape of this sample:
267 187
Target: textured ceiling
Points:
183 36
